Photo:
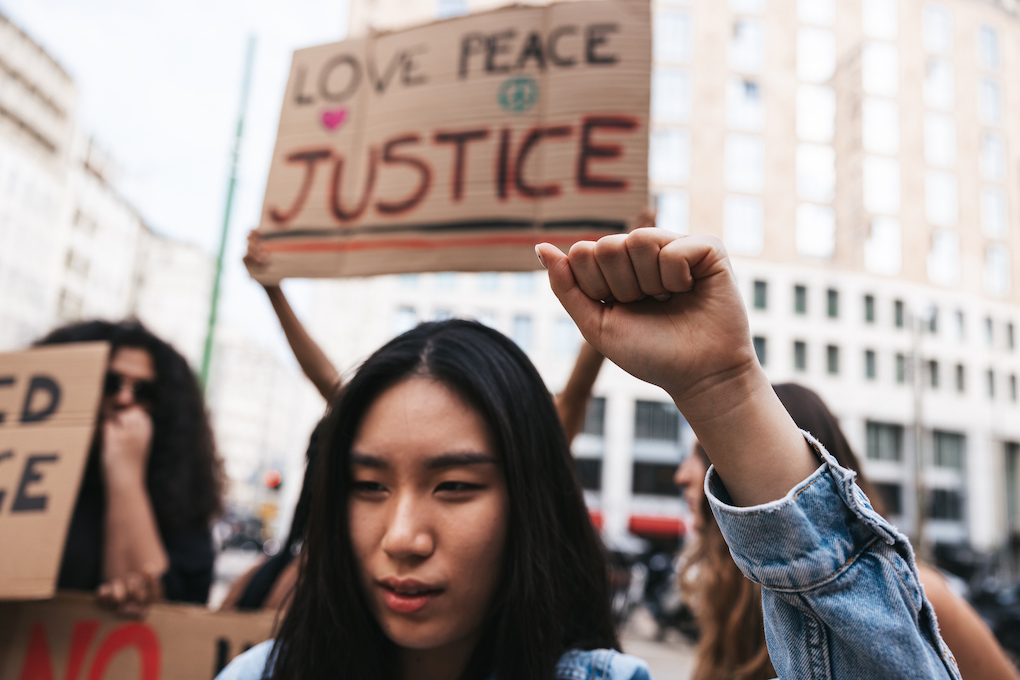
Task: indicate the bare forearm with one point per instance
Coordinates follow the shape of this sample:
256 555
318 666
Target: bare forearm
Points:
758 451
313 361
572 402
132 537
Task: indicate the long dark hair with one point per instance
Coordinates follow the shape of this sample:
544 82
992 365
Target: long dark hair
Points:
732 643
554 594
184 476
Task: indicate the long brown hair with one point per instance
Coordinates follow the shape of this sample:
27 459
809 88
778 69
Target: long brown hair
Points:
728 606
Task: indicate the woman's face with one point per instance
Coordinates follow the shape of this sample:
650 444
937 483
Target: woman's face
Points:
690 477
130 380
428 516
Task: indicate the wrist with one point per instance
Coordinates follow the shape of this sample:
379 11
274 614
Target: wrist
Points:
721 394
121 473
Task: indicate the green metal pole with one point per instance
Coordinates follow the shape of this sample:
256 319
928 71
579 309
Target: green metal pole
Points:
214 304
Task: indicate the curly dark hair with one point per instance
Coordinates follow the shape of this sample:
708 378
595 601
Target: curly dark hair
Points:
185 476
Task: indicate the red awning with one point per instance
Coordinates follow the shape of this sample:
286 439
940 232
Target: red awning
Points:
651 526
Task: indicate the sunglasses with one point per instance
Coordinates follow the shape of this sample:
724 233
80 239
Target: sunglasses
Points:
144 391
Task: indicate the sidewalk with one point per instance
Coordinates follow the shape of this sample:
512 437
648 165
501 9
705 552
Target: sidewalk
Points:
669 659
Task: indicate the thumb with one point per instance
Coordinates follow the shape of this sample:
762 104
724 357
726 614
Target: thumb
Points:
582 309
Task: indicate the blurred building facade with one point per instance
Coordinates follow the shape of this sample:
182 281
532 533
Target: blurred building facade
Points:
72 248
859 159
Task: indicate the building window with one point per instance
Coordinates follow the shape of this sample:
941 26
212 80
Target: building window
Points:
673 211
595 417
655 420
988 47
748 6
743 225
800 355
816 55
745 163
869 364
816 172
898 314
816 113
933 320
488 281
946 504
445 280
939 85
672 35
949 449
409 280
524 283
800 300
1012 387
883 247
832 359
881 185
486 317
960 326
747 48
404 319
992 159
671 95
944 258
759 349
939 140
832 303
933 374
901 368
521 331
566 338
669 156
654 479
869 308
961 378
885 441
446 9
891 495
1010 336
989 102
880 67
818 12
937 28
589 473
993 212
879 19
880 126
816 230
997 279
990 382
989 331
744 107
940 200
442 314
761 293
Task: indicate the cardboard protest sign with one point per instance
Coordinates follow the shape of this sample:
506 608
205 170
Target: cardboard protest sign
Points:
461 144
49 398
70 638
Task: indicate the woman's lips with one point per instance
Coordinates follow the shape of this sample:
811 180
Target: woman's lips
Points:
407 597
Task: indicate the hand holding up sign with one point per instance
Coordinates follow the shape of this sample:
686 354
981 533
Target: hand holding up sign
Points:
666 309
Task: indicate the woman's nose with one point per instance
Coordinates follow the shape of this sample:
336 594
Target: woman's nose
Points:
126 394
408 535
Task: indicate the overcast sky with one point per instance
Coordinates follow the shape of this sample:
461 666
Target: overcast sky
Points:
159 87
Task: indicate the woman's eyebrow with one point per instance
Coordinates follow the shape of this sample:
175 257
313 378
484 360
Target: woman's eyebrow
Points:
458 460
366 460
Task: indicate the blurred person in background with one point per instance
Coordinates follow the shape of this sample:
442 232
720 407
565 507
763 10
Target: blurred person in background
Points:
268 585
728 606
140 531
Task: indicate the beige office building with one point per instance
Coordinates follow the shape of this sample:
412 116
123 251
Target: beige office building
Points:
860 160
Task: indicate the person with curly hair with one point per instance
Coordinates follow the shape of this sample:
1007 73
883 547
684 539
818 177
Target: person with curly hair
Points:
140 531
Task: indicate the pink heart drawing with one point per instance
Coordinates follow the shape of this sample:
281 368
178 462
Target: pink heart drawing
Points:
334 118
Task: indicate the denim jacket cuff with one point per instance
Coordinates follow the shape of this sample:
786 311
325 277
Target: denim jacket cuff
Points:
809 536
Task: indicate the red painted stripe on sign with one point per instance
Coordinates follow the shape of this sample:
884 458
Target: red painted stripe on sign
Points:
424 244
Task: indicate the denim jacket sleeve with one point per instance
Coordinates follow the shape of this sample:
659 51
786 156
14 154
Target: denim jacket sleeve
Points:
840 591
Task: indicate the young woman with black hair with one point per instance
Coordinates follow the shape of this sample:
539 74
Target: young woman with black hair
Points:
448 537
140 530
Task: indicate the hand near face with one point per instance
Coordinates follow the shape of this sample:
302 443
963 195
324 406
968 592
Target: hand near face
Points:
683 323
127 436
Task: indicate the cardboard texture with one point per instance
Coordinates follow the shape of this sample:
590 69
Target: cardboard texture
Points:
70 638
461 144
49 398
